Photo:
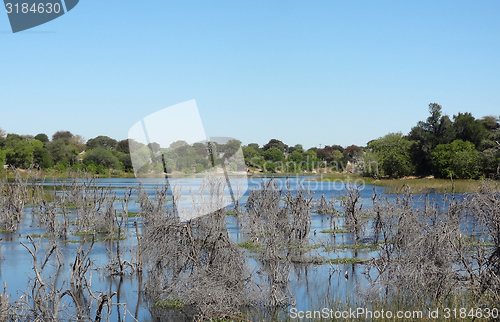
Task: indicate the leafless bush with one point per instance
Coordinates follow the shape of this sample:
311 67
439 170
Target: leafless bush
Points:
426 251
325 206
44 300
48 300
485 209
193 261
280 223
4 304
94 205
13 198
355 218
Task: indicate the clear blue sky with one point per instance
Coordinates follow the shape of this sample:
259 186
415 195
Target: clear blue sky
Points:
309 72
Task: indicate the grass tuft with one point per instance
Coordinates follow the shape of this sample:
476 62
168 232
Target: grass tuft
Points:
249 245
347 260
352 246
131 214
169 304
335 231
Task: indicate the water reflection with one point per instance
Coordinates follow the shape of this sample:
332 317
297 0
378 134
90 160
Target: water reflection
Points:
310 284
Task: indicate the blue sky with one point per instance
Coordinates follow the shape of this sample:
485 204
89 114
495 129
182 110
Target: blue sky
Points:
309 72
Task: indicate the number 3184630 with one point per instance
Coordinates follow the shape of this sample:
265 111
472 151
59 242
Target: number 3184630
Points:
475 313
34 8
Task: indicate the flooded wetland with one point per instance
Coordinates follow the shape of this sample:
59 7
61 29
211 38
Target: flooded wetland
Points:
87 248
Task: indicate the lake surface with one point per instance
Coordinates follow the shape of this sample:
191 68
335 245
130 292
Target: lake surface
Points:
310 284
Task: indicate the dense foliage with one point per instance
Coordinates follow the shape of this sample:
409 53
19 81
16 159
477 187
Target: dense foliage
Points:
458 147
393 152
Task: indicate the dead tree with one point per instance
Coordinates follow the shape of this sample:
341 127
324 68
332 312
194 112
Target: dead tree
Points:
354 216
279 222
485 209
13 198
193 261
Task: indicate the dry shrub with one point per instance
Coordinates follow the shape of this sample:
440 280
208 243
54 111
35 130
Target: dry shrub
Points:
280 222
193 261
439 250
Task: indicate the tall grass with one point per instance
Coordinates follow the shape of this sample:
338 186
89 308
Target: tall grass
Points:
417 185
422 186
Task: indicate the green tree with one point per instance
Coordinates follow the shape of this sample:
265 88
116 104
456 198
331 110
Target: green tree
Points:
296 147
199 168
11 140
170 158
230 148
123 146
42 137
256 162
102 141
2 160
61 151
249 153
467 128
311 158
201 149
257 148
491 123
41 155
141 157
21 156
274 155
337 155
437 125
101 156
18 151
311 155
393 154
62 135
126 161
437 129
186 163
296 156
490 163
458 159
154 147
178 144
273 143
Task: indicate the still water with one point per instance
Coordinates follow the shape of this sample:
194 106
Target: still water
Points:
310 284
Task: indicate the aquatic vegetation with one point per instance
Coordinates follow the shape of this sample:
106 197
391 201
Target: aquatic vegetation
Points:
348 260
249 245
169 304
183 263
352 247
334 231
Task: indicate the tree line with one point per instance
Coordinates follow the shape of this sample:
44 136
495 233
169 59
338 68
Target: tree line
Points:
458 147
105 155
64 151
464 147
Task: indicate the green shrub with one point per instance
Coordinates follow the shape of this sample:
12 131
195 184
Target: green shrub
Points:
459 159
